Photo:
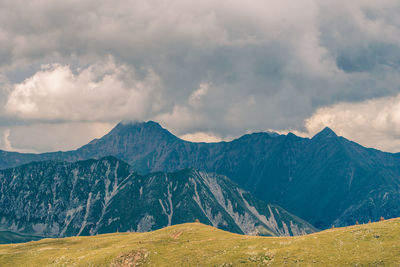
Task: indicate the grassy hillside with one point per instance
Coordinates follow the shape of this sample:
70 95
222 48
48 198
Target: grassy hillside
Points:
196 244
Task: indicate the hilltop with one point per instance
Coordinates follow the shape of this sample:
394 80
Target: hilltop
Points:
195 244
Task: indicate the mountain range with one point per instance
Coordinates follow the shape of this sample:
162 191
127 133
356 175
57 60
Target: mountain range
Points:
326 180
57 199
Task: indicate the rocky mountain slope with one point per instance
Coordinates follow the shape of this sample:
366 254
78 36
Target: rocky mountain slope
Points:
327 180
7 237
104 196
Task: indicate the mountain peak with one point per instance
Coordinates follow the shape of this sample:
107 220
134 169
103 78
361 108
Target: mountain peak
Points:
127 125
138 124
326 133
127 138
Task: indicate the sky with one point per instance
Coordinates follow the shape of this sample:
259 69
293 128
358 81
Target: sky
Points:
206 70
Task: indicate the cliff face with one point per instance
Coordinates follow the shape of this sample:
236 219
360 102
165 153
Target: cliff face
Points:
101 196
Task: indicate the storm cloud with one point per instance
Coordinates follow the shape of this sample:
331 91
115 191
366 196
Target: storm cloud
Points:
205 70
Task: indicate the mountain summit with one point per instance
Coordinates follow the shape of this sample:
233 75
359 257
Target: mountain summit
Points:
139 130
125 127
325 133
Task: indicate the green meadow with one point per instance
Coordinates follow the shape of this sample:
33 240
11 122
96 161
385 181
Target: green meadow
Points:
195 244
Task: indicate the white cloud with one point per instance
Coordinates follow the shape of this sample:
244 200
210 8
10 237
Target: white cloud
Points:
7 143
44 137
372 123
101 92
196 97
201 137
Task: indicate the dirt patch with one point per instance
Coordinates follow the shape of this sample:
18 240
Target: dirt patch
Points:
130 259
177 235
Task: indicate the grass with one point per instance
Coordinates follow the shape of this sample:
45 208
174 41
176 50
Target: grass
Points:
195 244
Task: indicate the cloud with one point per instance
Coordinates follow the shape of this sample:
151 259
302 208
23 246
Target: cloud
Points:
372 123
196 97
201 137
225 67
100 92
7 143
43 137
